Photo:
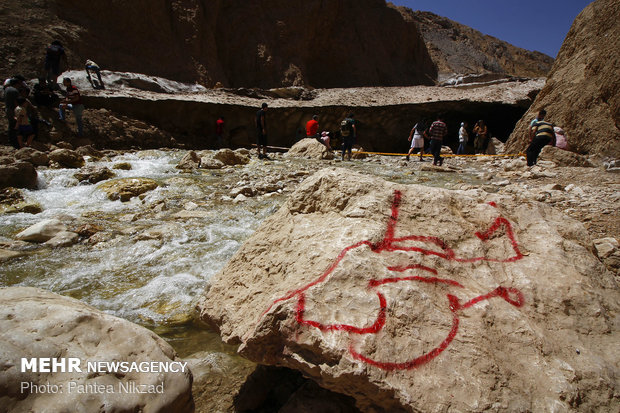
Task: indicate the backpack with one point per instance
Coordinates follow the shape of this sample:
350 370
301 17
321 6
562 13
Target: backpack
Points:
54 52
346 127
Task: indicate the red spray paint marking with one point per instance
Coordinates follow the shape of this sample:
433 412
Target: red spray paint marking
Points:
390 243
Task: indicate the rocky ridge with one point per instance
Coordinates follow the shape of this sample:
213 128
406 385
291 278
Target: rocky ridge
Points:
582 90
459 49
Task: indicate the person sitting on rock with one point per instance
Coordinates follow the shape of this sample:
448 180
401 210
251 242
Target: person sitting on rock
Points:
43 94
92 66
324 139
23 126
312 128
72 101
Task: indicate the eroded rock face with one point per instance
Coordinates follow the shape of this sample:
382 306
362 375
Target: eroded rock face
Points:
582 94
37 323
406 297
212 42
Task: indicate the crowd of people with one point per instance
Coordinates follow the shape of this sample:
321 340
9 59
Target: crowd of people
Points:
22 102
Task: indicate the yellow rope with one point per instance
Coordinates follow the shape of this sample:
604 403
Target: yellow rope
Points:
429 155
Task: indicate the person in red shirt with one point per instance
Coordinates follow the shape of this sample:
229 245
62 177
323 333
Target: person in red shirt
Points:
219 131
312 127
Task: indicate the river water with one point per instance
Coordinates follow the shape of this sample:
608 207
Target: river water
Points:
154 256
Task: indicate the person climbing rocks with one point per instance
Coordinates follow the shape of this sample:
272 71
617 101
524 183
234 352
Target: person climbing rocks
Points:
544 134
72 101
261 131
54 54
437 132
94 67
416 137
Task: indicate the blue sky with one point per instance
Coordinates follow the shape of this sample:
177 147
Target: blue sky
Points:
533 25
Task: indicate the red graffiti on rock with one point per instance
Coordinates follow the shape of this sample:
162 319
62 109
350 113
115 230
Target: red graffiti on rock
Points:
437 248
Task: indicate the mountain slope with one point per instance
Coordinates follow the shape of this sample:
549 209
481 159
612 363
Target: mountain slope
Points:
456 48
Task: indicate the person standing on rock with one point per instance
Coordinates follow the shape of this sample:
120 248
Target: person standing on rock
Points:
219 131
543 135
437 132
261 131
481 140
22 122
54 53
348 132
416 137
11 94
72 101
463 137
312 127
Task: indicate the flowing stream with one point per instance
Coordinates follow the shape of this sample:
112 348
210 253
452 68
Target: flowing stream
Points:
150 264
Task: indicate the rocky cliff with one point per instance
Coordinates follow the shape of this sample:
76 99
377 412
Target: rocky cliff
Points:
236 43
456 48
582 93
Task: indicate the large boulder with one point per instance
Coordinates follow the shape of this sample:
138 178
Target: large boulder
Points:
582 93
230 157
310 149
67 158
411 298
18 175
562 157
190 160
127 188
94 174
35 157
42 231
37 324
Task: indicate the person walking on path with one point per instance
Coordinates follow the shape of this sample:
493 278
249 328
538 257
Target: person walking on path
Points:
543 135
348 132
261 131
437 132
481 140
416 137
72 101
54 54
463 138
